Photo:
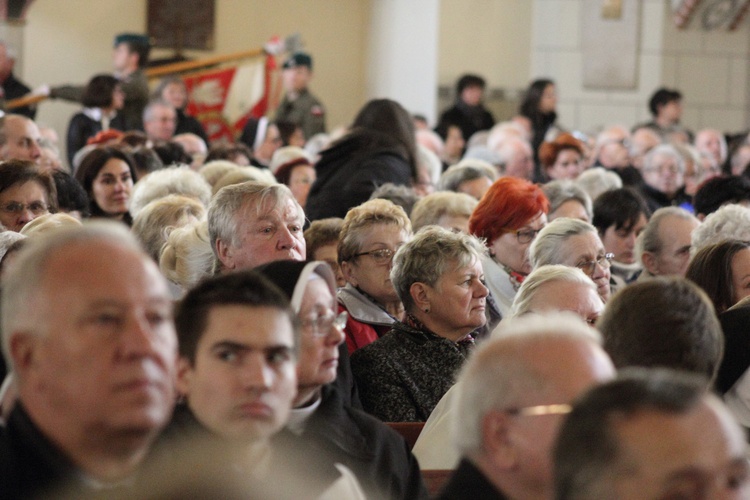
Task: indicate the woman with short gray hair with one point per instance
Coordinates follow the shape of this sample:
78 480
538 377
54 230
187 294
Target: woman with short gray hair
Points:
438 277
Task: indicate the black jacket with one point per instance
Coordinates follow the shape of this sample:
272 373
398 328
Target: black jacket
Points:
470 484
378 456
187 124
469 119
350 170
82 127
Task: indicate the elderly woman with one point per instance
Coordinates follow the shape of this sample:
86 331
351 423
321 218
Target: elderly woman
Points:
445 209
722 270
566 199
508 218
371 234
26 193
186 258
663 177
473 177
107 175
574 243
438 277
562 158
153 224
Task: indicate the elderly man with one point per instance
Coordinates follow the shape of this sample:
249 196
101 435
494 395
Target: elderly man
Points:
650 434
663 176
159 121
19 139
299 106
545 290
713 142
664 245
516 158
87 330
505 430
254 223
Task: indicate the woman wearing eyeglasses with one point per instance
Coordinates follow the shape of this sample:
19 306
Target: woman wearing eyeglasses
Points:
574 243
438 276
508 218
25 194
371 234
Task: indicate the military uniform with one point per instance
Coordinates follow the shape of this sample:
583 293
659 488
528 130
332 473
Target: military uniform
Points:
306 111
135 88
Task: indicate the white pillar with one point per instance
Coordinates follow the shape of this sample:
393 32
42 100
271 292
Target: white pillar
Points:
402 54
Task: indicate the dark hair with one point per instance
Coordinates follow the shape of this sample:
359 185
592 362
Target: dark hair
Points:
663 322
403 196
469 80
530 105
134 138
718 191
711 269
71 196
242 288
284 172
549 151
619 207
662 97
91 164
145 161
164 83
588 447
142 49
392 121
322 232
17 172
228 152
286 130
98 92
171 153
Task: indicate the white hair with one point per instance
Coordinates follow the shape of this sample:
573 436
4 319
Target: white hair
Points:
728 222
546 247
173 180
551 273
598 180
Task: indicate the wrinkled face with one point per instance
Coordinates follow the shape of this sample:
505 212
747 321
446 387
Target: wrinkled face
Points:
696 455
674 257
572 209
664 174
621 242
454 142
22 203
112 186
372 277
521 164
548 102
300 181
741 275
105 355
613 152
296 79
710 142
507 250
268 235
319 348
563 296
242 383
584 248
175 94
567 165
454 223
475 187
22 140
162 124
457 301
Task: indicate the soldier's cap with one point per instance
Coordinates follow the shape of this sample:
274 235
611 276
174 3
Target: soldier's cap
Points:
133 39
298 59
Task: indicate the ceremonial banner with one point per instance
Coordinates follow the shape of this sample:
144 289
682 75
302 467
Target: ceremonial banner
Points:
224 99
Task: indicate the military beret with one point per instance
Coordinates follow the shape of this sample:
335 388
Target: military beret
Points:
298 59
132 38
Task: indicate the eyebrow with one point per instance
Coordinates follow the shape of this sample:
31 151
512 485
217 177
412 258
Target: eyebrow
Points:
237 346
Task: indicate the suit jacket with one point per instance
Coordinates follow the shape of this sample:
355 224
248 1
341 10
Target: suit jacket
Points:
470 484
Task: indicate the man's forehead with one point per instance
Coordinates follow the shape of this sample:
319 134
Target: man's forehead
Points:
270 209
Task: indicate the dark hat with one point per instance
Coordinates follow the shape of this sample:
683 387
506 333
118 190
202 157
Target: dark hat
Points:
292 277
132 38
298 59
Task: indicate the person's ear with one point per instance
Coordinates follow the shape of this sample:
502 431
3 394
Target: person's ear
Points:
420 294
497 439
650 262
225 253
23 351
347 270
184 376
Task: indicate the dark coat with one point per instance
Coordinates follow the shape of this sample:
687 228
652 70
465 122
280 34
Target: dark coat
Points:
735 323
187 124
402 376
349 171
82 127
469 119
14 88
469 483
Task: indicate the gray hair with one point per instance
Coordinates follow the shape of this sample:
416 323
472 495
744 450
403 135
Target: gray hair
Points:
432 207
463 172
560 191
19 302
649 240
545 249
166 181
187 256
661 151
428 256
7 239
728 222
598 180
552 273
499 360
148 111
238 202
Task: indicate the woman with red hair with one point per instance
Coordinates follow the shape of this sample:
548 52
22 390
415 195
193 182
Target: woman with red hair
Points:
562 158
508 218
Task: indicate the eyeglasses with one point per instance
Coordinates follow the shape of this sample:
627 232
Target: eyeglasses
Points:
526 235
321 326
535 411
589 266
36 207
381 256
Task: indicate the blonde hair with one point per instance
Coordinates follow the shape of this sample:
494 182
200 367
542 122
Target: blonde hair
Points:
47 222
215 170
158 218
432 207
361 218
187 257
240 175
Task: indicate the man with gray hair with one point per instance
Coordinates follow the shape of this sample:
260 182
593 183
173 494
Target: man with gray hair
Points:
159 120
650 434
664 245
505 430
254 223
663 176
87 330
516 158
19 139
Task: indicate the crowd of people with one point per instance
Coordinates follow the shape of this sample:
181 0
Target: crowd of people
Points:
563 313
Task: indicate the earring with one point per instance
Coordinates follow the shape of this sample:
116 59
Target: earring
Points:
426 309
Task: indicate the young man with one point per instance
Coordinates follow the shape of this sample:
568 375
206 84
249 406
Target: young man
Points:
299 106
